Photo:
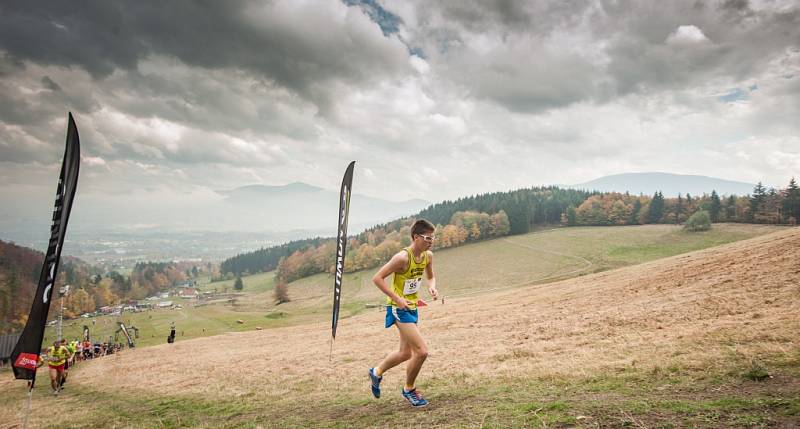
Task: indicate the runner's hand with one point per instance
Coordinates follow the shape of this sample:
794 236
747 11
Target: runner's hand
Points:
403 304
434 293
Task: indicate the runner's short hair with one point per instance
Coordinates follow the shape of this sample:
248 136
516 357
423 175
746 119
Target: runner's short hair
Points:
420 227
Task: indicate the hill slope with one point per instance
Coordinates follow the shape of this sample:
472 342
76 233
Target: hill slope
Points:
661 342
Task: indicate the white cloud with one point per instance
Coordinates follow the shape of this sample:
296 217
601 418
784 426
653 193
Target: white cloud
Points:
93 161
686 35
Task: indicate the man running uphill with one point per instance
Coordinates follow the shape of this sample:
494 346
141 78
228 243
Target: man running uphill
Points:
408 265
56 358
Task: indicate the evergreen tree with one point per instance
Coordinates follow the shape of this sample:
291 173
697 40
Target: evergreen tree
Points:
791 203
679 209
571 216
771 210
757 202
238 285
637 207
714 207
656 211
730 209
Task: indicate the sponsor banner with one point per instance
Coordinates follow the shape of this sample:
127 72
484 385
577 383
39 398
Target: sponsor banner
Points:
30 342
341 243
27 361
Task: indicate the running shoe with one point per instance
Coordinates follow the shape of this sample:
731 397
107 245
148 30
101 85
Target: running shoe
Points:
375 383
414 398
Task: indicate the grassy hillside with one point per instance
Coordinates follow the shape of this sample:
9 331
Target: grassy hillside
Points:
704 339
507 263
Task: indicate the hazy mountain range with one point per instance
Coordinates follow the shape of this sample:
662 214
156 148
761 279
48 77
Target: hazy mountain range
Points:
224 222
302 206
669 184
296 208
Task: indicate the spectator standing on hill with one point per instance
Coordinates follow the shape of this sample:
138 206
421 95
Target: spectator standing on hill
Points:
88 350
407 267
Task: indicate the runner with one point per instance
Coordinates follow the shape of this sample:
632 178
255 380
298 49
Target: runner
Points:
401 310
56 358
78 351
69 362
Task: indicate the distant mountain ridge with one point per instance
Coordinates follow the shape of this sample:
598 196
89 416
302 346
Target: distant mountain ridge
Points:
295 187
669 184
297 206
302 206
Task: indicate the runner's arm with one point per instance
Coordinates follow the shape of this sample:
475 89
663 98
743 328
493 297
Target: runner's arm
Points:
395 265
431 277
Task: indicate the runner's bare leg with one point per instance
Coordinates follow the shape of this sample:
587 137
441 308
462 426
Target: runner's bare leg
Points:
419 350
397 357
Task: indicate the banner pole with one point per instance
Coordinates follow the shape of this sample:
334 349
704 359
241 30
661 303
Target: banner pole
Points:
28 408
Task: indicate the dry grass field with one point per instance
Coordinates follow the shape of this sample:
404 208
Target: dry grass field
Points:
703 339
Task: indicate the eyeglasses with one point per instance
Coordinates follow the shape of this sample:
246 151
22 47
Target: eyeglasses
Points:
428 238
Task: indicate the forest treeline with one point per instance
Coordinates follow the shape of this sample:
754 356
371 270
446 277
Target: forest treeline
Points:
497 214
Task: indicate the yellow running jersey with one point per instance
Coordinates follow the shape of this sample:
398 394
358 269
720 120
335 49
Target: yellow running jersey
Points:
57 356
407 284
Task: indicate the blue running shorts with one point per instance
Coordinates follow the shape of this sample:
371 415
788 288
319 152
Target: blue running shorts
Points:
394 314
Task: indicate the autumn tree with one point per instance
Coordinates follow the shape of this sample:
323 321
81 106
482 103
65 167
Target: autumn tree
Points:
281 292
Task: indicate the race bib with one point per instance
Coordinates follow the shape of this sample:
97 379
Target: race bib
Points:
411 286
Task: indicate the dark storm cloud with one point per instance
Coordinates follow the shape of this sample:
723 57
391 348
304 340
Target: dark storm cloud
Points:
212 103
249 70
284 44
50 84
510 16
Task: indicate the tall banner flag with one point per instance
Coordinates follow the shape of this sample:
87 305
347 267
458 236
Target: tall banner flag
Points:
341 245
85 333
26 353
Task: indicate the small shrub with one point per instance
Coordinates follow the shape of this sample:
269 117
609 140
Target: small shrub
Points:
699 221
757 371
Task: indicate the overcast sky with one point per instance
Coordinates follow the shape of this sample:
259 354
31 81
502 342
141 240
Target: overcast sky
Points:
434 100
